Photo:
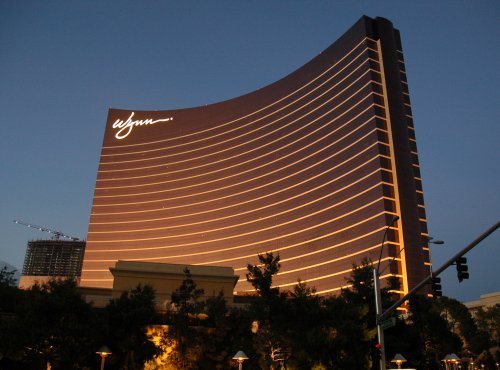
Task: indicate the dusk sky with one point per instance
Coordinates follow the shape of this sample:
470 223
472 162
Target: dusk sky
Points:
64 63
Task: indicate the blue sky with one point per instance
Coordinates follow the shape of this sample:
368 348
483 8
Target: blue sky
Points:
64 63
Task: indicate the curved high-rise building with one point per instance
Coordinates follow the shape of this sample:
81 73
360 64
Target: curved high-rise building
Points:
313 167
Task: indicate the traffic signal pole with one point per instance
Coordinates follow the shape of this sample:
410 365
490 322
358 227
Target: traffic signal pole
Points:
447 264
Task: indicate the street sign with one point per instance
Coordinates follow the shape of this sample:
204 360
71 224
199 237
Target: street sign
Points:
389 323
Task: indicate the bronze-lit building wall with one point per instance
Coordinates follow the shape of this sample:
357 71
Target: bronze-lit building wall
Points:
412 211
309 167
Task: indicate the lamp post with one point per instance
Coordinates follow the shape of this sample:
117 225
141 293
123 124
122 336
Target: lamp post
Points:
451 361
431 240
447 361
104 352
398 359
455 360
240 357
378 297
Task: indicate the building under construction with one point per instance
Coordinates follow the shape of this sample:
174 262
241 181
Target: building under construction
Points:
52 258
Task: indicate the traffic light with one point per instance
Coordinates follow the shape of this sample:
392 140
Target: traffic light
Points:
377 352
436 287
462 269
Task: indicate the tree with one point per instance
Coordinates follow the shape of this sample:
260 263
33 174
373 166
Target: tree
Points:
432 335
127 318
355 347
181 336
350 335
52 324
8 290
261 276
488 322
269 310
224 332
7 278
359 298
461 323
308 332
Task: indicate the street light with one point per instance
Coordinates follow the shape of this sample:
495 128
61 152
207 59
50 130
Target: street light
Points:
398 359
240 357
394 219
430 240
451 361
455 360
446 361
378 297
104 352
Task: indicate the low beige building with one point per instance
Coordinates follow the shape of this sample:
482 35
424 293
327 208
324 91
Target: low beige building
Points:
165 278
485 301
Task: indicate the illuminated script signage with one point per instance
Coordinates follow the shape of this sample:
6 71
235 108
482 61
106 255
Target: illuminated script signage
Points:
125 127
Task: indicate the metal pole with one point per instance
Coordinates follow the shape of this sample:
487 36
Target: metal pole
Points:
103 358
378 310
378 297
398 303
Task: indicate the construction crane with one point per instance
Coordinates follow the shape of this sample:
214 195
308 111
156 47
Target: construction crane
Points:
57 234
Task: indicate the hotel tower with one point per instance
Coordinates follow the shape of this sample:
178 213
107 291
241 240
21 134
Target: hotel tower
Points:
313 167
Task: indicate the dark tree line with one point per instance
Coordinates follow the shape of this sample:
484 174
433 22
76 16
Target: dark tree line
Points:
52 324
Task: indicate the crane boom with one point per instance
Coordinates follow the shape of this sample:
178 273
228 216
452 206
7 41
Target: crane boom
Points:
57 234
